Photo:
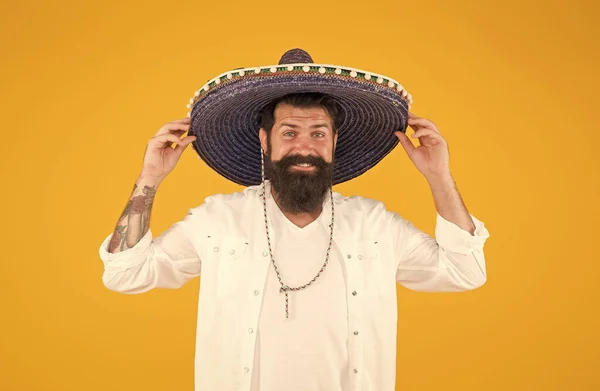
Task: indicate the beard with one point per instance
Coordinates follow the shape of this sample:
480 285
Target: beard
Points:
299 191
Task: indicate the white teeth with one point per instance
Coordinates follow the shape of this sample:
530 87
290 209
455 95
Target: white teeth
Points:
304 165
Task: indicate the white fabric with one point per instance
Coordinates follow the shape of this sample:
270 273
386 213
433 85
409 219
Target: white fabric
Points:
374 248
308 350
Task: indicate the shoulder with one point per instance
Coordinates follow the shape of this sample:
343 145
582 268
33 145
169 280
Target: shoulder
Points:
363 217
363 210
357 203
236 202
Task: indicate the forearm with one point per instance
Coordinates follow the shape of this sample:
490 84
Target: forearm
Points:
449 203
135 219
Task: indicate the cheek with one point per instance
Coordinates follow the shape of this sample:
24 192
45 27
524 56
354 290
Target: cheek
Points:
279 151
327 151
285 147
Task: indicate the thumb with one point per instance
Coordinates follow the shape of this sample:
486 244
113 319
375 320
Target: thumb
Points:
405 141
185 142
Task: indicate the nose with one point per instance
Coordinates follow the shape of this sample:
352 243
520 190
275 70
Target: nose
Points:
304 146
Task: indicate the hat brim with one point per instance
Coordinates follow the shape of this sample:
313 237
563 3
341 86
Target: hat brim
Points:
225 120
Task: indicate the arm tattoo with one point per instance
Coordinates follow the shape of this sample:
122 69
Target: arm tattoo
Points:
134 221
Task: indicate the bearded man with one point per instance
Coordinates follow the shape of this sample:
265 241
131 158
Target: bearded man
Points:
298 282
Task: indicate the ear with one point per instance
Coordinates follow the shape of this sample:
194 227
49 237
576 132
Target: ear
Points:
262 134
335 137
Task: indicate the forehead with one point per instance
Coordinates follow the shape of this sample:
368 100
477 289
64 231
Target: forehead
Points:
285 111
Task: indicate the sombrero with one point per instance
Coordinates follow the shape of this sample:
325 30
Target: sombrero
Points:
224 114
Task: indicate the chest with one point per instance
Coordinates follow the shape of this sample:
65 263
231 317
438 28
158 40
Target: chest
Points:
238 261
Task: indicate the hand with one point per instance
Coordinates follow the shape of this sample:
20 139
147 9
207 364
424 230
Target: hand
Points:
431 157
160 157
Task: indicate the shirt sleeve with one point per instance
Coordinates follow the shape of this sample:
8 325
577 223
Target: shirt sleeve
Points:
452 261
167 261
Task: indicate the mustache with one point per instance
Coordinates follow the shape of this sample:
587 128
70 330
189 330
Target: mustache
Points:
288 161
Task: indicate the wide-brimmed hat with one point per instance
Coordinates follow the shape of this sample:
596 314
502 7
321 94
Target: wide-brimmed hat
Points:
225 114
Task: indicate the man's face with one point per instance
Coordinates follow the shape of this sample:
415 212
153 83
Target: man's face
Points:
300 154
302 132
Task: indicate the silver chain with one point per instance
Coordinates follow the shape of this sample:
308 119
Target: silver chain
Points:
285 288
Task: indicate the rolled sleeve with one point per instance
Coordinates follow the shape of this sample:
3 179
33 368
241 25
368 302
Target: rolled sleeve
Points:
166 261
123 259
457 240
451 261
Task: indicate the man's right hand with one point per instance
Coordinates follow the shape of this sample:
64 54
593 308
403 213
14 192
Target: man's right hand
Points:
160 157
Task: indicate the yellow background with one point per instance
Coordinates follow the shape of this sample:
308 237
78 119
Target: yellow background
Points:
512 85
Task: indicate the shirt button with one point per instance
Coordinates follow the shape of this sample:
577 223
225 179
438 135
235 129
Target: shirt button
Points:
265 254
355 370
256 293
349 256
360 257
246 370
354 293
232 252
216 249
356 333
250 331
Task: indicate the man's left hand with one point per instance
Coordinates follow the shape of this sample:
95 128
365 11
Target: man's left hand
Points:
431 157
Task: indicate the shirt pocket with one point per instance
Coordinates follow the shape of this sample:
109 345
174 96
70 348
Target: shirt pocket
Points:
230 264
372 260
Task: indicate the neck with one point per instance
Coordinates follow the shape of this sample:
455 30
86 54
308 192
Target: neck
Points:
301 219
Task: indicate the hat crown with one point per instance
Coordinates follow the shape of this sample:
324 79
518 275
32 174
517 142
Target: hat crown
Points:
296 56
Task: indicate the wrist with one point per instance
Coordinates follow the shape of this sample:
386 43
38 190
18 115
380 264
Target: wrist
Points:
437 181
147 180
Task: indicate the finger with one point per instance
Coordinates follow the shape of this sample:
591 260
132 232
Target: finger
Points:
182 121
178 133
426 132
414 127
411 115
405 141
168 138
186 141
170 127
421 123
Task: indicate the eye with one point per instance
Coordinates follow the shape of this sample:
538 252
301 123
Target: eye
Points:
288 134
319 135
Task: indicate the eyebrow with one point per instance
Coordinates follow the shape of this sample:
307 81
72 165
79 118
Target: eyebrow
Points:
323 125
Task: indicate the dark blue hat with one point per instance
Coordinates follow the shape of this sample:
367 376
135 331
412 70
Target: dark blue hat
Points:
225 114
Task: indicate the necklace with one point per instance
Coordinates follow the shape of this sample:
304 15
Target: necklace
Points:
285 288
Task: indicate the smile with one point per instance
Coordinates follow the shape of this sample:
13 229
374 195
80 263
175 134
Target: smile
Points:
303 167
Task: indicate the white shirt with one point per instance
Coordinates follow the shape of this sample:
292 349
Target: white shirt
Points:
308 351
224 240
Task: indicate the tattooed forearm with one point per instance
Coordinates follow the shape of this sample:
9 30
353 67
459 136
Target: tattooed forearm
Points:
135 219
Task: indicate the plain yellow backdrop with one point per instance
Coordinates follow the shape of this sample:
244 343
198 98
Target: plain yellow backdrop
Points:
512 85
